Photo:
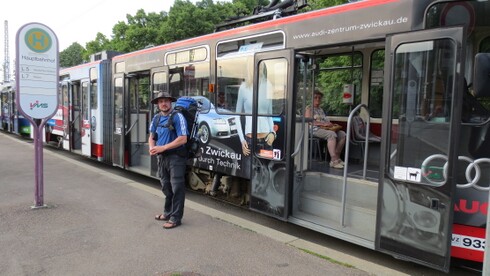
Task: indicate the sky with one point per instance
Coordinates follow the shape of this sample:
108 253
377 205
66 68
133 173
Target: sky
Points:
71 21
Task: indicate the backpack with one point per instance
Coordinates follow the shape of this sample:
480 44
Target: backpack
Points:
190 108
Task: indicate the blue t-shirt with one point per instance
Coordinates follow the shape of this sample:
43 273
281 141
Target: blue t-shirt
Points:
166 135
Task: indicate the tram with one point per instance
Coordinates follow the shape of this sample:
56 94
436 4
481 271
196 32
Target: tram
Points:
11 120
408 80
80 124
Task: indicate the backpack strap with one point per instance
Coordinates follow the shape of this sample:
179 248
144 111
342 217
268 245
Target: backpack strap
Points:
156 120
170 121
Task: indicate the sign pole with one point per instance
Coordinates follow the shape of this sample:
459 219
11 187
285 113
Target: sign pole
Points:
36 74
38 154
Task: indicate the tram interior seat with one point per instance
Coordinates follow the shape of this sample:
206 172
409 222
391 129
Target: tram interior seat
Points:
316 146
358 134
315 149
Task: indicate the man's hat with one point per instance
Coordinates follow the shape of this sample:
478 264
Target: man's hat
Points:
163 95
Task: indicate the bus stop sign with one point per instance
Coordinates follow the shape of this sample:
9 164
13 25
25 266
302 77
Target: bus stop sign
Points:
37 71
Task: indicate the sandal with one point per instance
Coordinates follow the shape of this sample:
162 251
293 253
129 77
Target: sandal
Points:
171 224
336 164
162 217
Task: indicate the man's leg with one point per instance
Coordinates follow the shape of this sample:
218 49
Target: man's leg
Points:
164 175
177 166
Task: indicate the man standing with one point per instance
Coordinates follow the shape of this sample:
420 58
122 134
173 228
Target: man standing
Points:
167 141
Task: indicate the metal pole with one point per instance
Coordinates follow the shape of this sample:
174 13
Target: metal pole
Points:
37 200
38 166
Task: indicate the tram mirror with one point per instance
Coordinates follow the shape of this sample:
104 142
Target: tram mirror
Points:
481 82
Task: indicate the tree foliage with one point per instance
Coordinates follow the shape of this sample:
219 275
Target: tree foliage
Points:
320 4
100 43
72 55
335 72
143 30
140 31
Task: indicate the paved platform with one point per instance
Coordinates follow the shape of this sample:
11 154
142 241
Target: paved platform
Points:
99 223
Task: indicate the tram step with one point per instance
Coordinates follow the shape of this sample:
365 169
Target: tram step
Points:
359 221
359 192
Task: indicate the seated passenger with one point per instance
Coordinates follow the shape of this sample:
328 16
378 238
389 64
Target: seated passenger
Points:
221 101
320 125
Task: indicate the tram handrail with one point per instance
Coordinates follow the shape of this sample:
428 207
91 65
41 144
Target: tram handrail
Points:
347 147
131 127
299 144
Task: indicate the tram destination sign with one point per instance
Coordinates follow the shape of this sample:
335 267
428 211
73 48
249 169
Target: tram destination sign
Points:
36 71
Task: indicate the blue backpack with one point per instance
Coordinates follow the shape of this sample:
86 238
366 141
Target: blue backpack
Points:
190 108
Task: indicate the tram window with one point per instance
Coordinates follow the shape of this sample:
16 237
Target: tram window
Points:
160 81
334 72
60 95
93 88
64 95
273 74
186 56
376 83
421 108
132 94
93 95
85 100
118 105
76 96
139 91
232 72
144 93
250 44
175 85
120 67
159 84
196 79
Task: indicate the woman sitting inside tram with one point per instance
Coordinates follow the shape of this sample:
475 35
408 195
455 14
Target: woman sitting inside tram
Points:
323 129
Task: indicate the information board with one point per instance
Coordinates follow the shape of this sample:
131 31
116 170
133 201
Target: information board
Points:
37 71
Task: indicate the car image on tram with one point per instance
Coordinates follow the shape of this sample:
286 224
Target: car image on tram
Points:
407 80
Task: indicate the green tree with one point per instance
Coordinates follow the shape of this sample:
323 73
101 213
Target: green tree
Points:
320 4
143 30
335 71
100 43
140 31
181 22
246 7
73 55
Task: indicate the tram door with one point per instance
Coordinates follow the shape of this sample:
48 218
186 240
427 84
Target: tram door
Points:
422 115
139 113
269 177
65 92
76 117
85 129
118 150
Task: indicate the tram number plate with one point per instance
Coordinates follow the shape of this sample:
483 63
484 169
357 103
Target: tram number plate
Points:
468 242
